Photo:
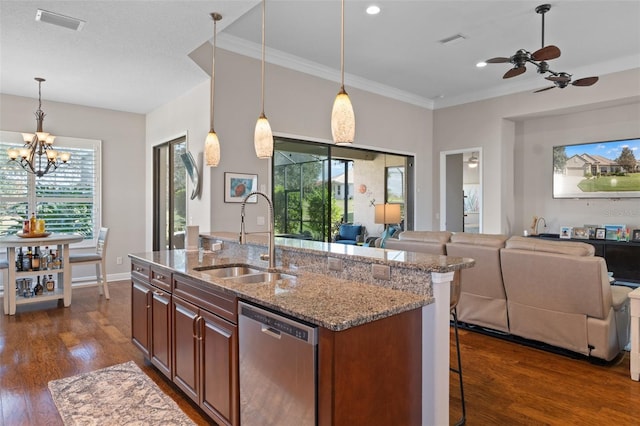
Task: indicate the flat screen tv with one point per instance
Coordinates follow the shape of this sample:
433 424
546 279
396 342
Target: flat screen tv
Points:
607 169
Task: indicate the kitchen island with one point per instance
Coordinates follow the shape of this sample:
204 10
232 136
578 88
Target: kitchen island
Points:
379 313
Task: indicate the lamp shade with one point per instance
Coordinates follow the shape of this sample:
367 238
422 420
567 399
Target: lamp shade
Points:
263 138
212 149
343 120
387 213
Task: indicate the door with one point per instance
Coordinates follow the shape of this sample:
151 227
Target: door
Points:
219 367
160 348
185 345
169 195
140 315
461 190
455 194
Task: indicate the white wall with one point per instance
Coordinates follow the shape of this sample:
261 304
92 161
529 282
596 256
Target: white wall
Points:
297 105
501 125
123 186
535 139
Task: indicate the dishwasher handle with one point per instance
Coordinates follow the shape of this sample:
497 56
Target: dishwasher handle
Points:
271 331
277 325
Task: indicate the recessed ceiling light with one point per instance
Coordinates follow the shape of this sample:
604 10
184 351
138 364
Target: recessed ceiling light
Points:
481 64
373 10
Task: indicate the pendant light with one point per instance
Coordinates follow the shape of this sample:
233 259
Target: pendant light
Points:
212 144
263 138
343 120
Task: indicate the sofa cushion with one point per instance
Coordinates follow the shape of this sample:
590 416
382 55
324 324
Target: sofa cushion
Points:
487 240
426 236
559 247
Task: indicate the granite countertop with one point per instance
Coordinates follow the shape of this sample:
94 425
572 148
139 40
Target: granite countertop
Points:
323 300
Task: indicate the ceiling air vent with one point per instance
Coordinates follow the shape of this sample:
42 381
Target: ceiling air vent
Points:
59 20
453 39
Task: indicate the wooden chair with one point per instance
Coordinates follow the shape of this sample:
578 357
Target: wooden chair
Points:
99 258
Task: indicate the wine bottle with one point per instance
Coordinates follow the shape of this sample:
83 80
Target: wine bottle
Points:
51 285
35 260
38 289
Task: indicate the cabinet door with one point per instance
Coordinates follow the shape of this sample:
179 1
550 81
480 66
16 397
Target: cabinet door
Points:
185 347
160 348
140 315
219 371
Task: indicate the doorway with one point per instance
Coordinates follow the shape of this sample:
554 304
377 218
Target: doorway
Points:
461 190
169 195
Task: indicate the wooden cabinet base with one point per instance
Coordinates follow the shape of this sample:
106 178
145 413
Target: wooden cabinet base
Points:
371 374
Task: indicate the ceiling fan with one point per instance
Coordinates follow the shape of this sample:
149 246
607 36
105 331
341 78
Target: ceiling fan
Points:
563 79
538 58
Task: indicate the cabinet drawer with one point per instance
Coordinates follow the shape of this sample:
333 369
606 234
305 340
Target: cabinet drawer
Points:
140 270
206 297
161 278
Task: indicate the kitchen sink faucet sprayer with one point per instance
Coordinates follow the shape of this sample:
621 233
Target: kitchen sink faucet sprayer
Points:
243 233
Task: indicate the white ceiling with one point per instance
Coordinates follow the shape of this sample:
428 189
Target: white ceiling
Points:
133 55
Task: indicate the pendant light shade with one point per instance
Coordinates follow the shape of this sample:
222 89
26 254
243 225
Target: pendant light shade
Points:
343 119
263 137
212 144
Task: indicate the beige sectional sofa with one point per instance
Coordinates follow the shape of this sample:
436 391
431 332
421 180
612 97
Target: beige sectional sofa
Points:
555 292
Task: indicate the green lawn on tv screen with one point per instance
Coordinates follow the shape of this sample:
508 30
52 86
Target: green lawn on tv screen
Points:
629 182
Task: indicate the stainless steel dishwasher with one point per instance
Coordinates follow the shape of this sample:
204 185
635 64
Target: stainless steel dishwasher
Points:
277 369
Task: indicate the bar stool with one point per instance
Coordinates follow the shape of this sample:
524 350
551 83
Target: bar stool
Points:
99 258
455 297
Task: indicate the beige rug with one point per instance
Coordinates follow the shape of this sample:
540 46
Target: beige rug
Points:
118 395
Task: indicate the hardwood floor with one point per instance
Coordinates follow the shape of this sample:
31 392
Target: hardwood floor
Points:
505 383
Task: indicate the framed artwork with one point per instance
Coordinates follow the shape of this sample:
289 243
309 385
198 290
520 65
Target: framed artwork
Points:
581 233
592 230
614 232
635 235
238 185
566 232
601 233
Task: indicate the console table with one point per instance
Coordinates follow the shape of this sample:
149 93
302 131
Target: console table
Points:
635 334
621 256
61 241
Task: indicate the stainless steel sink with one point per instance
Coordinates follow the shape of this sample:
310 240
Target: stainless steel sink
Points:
260 277
228 271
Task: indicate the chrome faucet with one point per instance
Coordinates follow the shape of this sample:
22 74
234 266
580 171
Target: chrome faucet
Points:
271 256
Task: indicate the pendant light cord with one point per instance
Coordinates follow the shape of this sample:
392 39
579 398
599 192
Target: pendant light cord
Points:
342 47
263 48
215 18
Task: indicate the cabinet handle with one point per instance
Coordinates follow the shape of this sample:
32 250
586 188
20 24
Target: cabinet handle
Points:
200 328
138 269
158 293
159 277
195 326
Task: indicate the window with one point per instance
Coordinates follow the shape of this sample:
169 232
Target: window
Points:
68 199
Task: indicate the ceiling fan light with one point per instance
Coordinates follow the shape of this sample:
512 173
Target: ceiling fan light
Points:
263 138
343 121
212 149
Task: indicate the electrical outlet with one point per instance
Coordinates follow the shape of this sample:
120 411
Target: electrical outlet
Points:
119 260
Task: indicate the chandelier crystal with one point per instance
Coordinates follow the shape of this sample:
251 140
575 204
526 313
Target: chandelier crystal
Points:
38 156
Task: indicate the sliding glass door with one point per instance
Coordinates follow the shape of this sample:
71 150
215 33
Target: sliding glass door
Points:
316 187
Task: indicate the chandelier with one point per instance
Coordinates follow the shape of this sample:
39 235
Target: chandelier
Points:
37 156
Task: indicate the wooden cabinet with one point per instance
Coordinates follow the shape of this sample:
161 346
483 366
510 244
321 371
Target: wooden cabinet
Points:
151 314
205 349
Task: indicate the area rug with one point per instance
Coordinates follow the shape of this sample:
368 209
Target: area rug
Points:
118 395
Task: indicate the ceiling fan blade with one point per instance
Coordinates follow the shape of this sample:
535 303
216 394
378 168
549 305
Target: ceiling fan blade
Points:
514 72
546 88
498 60
587 81
546 53
559 78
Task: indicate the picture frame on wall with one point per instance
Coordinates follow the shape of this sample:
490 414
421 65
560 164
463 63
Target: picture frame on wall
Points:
566 232
238 185
601 233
